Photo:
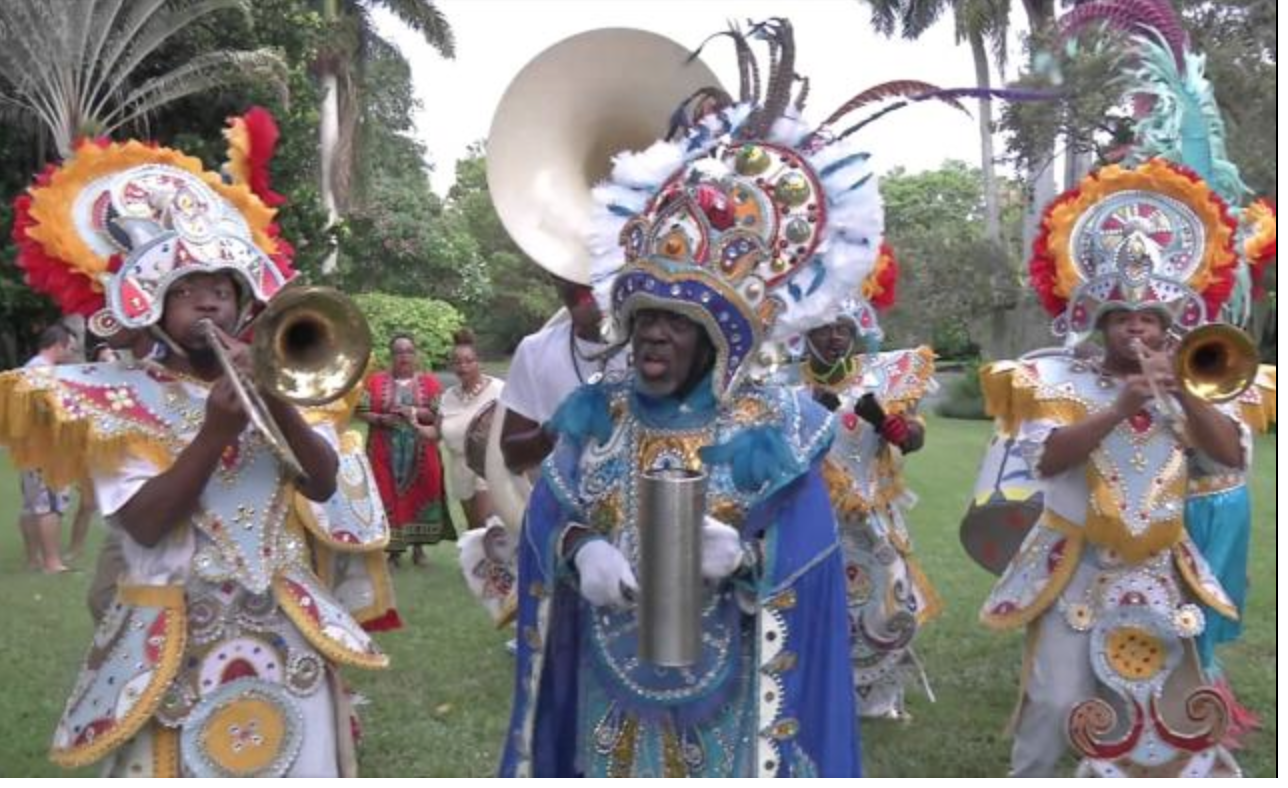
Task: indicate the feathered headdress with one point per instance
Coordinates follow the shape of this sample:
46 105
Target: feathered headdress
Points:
252 142
876 294
750 221
1160 232
105 232
1150 237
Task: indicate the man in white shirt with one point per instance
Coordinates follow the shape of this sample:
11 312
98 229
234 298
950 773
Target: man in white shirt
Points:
41 521
547 366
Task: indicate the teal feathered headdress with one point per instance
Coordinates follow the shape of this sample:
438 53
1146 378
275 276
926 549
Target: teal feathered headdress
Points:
1177 117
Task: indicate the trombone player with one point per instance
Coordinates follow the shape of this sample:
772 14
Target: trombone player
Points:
1107 582
219 656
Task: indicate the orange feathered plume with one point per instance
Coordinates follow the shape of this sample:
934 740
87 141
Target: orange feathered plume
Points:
1261 247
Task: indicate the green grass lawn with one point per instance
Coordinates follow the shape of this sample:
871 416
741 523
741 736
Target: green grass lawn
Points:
441 709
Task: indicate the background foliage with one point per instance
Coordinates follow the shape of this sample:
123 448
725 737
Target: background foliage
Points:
959 291
430 323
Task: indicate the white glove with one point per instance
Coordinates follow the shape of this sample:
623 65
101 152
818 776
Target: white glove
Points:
721 549
606 576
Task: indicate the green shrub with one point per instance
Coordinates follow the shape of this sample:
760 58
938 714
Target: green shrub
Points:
430 322
951 339
963 397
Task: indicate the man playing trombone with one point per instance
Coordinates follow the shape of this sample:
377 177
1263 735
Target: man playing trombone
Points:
218 656
1107 581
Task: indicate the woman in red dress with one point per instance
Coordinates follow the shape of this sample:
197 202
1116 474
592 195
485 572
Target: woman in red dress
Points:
401 407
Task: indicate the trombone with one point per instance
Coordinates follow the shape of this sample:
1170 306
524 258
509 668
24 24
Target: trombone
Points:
310 347
1215 363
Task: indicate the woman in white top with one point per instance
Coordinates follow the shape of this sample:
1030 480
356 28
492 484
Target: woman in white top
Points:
459 405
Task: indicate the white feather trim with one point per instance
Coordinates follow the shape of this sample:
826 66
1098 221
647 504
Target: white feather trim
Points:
848 250
648 167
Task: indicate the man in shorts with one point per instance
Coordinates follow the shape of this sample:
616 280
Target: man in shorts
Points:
41 521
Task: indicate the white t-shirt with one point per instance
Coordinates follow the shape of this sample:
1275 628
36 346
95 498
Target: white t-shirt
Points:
546 369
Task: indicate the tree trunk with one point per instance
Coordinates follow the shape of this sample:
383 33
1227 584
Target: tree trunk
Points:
992 207
1040 185
328 139
1076 167
329 135
1001 279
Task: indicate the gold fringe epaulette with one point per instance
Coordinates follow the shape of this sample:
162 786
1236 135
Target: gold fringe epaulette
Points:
923 373
1259 410
1013 394
41 432
846 502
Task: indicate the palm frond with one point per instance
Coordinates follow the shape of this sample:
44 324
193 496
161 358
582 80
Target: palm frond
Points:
911 18
121 37
102 22
885 15
425 18
33 66
206 71
148 38
990 19
66 62
920 15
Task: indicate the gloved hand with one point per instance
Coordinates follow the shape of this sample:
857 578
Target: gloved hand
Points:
605 574
895 430
868 409
721 549
827 399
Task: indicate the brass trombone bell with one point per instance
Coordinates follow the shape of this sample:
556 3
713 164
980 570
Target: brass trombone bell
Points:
1216 362
311 345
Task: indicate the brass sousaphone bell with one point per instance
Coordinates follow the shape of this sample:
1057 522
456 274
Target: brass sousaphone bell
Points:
552 139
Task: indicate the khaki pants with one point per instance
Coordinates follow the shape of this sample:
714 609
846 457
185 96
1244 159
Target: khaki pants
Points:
107 575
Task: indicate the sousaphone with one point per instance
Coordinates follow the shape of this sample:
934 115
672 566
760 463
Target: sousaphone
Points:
553 137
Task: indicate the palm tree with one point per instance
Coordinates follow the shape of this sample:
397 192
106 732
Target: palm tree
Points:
71 67
339 69
984 25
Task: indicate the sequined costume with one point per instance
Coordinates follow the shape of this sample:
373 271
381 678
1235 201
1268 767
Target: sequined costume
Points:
1107 582
753 226
1218 517
890 598
774 639
219 655
1109 585
1178 120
